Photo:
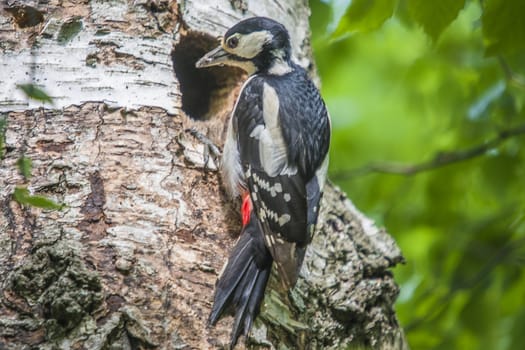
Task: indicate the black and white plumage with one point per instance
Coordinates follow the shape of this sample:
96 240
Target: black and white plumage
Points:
276 155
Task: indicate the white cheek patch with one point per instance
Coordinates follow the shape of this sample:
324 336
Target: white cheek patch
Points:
251 44
247 66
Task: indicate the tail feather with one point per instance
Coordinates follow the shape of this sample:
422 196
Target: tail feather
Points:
256 297
240 288
228 283
247 308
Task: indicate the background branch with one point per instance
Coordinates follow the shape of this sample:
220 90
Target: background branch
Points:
440 160
510 75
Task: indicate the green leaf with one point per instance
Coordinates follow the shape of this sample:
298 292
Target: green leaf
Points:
503 26
24 165
365 16
22 196
34 92
434 16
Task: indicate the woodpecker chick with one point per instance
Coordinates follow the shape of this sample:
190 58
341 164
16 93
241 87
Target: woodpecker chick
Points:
275 157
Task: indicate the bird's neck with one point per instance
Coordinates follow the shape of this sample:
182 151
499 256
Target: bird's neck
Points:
280 67
273 62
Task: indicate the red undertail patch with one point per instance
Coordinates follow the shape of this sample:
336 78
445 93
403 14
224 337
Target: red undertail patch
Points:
246 209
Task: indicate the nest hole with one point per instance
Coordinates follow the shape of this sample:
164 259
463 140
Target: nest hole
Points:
25 16
206 92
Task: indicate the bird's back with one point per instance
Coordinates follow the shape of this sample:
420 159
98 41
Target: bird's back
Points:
304 119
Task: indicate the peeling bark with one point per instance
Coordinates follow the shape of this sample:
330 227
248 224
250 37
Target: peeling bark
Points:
132 259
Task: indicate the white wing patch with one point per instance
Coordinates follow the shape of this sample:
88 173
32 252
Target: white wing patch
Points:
266 213
272 148
265 185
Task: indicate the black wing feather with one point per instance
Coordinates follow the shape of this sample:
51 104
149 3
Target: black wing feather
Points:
294 195
249 115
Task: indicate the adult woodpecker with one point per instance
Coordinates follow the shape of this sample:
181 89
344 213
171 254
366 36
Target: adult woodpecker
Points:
275 157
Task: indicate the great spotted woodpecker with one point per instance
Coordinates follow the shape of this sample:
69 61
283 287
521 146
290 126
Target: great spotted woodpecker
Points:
275 157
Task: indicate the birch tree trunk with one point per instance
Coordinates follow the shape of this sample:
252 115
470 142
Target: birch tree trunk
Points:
131 261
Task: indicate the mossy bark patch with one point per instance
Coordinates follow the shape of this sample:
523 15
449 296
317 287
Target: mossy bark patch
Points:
54 285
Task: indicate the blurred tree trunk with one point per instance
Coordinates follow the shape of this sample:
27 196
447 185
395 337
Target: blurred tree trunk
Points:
131 261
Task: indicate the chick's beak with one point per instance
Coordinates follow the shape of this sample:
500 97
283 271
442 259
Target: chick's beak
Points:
215 57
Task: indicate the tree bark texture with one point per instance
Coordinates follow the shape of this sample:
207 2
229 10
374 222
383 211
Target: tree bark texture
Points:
131 261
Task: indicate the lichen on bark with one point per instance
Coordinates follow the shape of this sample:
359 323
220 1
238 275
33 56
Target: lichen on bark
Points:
53 287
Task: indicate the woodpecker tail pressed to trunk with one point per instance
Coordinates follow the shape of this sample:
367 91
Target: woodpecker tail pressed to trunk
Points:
240 289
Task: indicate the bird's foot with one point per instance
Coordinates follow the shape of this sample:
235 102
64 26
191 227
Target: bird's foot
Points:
211 152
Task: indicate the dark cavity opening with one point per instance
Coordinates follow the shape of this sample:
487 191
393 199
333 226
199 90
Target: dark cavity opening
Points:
206 92
25 16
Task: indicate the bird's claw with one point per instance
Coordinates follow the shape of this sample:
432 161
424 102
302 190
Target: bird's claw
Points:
210 149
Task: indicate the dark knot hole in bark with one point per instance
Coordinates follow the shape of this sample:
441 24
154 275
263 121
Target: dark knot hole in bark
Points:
206 92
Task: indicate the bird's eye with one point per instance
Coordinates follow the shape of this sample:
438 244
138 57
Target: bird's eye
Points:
232 42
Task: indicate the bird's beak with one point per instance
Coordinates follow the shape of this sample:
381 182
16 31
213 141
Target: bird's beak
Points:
215 57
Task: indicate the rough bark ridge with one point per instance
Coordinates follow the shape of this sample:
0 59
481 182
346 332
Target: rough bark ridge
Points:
132 259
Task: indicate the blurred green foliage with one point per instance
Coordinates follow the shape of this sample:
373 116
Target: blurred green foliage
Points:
439 84
21 193
25 165
22 196
34 92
